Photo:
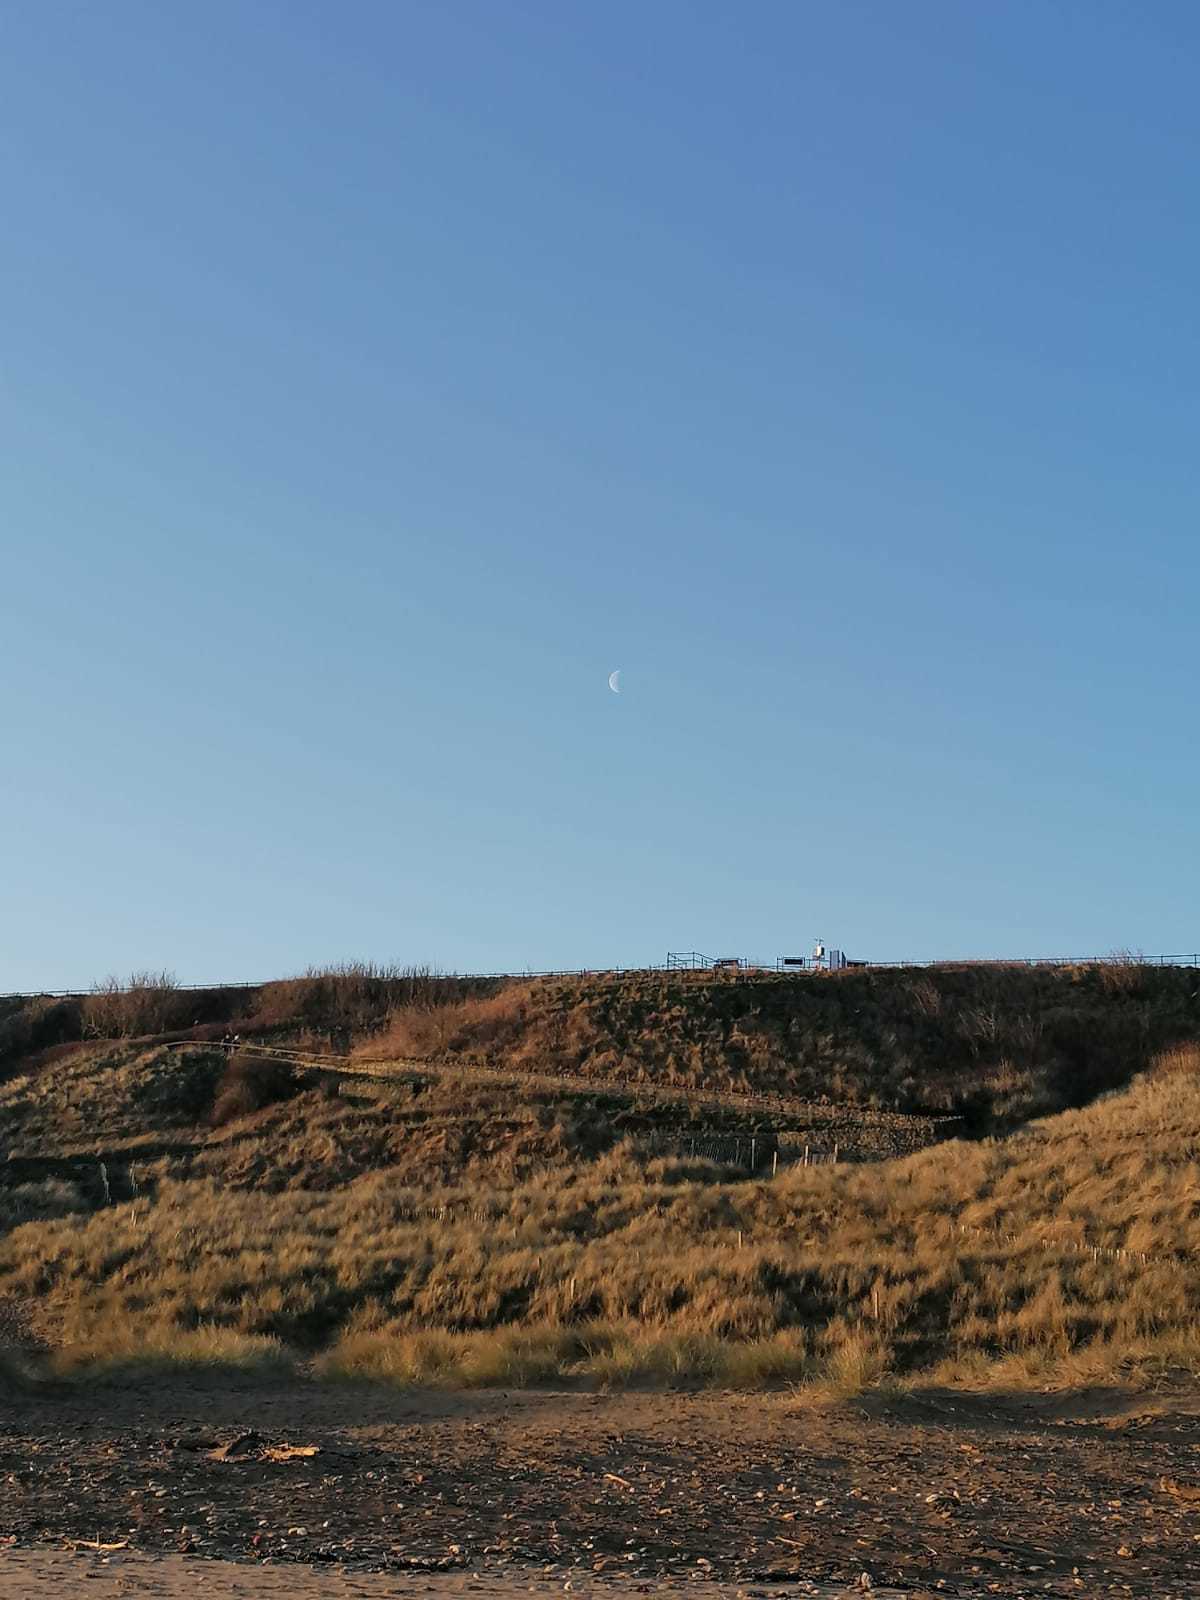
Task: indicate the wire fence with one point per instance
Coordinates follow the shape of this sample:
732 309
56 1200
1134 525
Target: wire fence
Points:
800 966
123 1184
696 961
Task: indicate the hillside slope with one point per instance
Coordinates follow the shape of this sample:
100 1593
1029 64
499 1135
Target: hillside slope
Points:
1072 1246
998 1044
199 1205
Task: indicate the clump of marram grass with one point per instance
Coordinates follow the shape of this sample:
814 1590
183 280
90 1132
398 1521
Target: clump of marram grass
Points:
1179 1059
600 1354
489 1358
116 1353
857 1360
784 1357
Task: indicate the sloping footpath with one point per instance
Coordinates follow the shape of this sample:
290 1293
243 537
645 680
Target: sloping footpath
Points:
854 1131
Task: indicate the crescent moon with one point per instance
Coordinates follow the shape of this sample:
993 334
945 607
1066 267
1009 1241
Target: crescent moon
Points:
614 681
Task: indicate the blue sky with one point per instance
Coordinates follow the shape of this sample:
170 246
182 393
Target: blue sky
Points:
377 378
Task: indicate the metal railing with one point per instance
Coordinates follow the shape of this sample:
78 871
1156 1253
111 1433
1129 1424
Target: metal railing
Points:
694 960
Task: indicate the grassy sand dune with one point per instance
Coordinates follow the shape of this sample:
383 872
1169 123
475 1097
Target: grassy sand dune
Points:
970 1262
998 1044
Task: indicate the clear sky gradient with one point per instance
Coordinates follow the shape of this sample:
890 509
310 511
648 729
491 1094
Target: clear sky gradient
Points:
377 378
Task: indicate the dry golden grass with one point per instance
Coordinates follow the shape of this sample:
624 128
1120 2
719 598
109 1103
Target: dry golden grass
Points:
1010 1261
442 1232
1180 1059
609 1354
998 1043
117 1349
32 1202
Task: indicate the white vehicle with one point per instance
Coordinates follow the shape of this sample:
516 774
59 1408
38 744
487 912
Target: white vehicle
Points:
827 960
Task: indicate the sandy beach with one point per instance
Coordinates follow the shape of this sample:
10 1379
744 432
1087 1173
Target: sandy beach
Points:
361 1489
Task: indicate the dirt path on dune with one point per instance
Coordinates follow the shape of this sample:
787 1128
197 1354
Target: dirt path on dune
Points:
861 1131
1009 1497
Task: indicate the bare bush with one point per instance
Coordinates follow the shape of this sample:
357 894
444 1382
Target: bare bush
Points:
356 997
38 1023
146 1003
1123 972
